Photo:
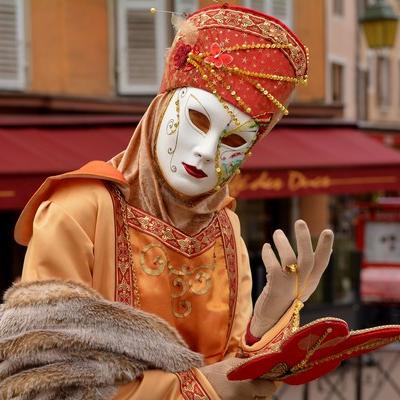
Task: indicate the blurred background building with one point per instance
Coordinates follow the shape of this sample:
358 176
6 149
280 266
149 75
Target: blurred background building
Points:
76 76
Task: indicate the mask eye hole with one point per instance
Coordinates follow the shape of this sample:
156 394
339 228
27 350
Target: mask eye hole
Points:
233 140
199 120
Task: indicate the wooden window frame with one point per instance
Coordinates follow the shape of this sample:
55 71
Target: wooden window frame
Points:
124 86
338 8
383 75
19 82
398 83
186 6
341 88
363 75
268 9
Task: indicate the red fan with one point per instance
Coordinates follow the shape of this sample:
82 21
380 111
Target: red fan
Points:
313 351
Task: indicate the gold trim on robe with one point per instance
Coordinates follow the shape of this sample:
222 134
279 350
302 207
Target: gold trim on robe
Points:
191 388
178 277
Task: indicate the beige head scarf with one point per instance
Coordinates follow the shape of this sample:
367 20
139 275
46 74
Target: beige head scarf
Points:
148 191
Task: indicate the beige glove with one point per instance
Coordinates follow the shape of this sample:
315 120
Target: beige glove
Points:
234 390
283 285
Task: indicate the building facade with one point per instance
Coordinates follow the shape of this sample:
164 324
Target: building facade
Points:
381 71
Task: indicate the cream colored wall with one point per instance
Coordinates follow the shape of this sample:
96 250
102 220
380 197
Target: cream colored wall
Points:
388 115
342 48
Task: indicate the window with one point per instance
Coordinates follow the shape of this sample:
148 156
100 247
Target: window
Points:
12 45
338 7
281 9
398 85
142 40
186 6
337 76
362 105
383 81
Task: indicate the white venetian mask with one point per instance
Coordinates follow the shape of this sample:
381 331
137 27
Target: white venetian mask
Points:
201 142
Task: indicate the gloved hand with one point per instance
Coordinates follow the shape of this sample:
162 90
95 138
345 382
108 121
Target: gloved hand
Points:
291 278
232 390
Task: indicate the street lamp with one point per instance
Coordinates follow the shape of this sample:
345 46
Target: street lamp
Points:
380 25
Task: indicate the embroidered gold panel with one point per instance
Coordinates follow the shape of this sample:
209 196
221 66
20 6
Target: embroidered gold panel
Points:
193 287
192 294
171 237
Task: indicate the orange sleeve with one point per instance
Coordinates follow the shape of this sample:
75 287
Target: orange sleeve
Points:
59 248
73 237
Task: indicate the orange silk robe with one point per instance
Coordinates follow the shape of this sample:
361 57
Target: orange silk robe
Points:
82 229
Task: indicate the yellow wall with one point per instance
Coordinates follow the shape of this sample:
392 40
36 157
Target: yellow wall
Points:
309 25
70 47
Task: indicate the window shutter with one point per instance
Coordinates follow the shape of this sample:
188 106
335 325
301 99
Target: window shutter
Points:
12 51
383 71
259 5
186 6
281 9
142 40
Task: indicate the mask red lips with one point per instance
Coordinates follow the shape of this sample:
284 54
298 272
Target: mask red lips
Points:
193 171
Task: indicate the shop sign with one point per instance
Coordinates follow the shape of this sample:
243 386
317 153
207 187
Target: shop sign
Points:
267 184
378 238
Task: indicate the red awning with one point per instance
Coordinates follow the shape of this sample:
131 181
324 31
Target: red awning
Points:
289 162
293 162
28 156
56 150
299 148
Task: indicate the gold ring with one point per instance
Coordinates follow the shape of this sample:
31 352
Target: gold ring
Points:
292 267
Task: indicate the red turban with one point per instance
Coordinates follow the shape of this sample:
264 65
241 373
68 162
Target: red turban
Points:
243 56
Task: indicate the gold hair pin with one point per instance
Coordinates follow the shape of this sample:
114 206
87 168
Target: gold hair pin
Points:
154 10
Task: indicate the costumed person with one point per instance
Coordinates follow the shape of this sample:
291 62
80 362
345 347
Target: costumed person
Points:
154 229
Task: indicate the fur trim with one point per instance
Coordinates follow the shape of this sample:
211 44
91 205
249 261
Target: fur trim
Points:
62 340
